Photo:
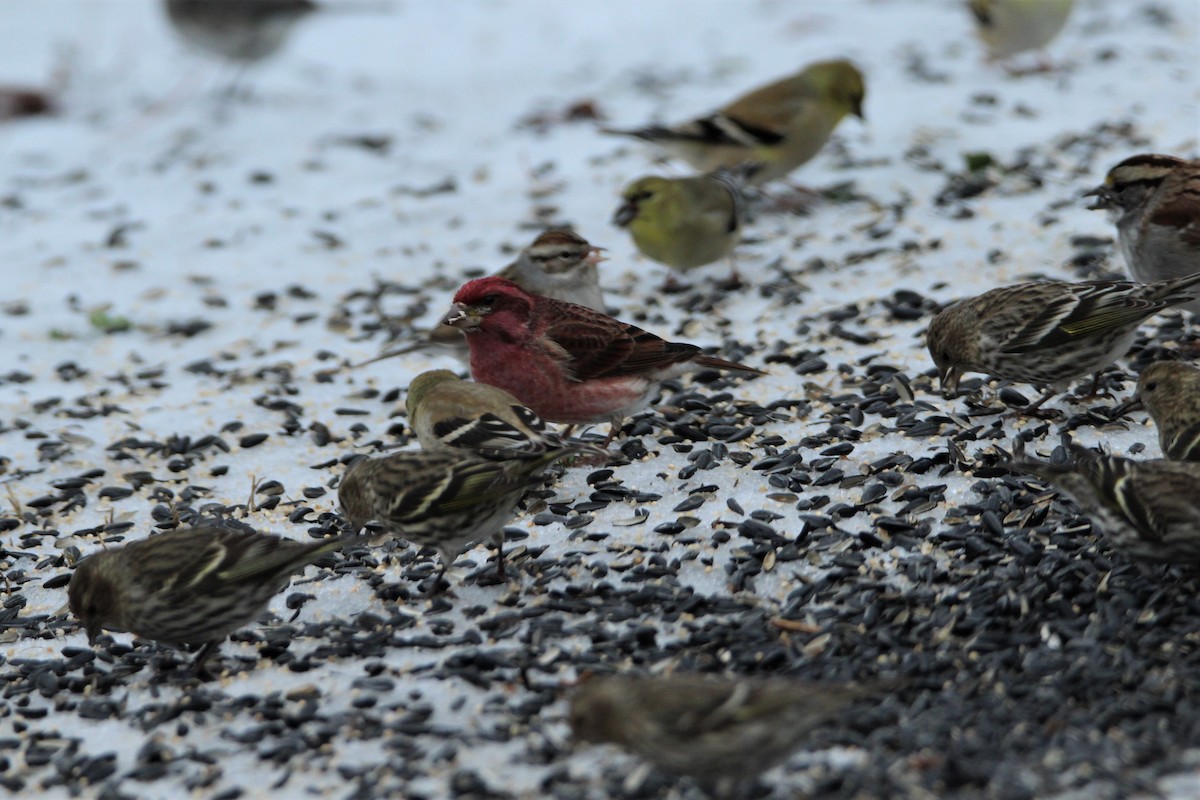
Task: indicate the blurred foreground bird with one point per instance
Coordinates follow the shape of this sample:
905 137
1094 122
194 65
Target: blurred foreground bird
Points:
719 731
1047 333
684 222
448 413
559 264
566 362
188 587
1149 510
444 499
778 126
241 31
1170 391
1154 200
1009 27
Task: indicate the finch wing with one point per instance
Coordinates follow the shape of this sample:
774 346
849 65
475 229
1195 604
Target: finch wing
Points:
598 346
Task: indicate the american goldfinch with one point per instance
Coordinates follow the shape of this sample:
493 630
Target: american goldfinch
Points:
1008 27
448 413
720 731
559 263
1154 200
188 587
1146 509
566 362
237 30
1047 333
777 127
683 222
442 499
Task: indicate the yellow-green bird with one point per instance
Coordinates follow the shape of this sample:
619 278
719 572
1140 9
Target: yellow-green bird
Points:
683 222
777 127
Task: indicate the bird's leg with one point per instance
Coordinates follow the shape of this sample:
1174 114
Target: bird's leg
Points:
672 285
500 556
202 657
613 429
1095 391
734 281
1034 408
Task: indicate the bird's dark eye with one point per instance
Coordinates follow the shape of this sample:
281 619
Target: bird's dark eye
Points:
1151 386
564 253
487 300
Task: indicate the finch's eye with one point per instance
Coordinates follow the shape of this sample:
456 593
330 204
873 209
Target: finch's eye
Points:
1151 386
488 300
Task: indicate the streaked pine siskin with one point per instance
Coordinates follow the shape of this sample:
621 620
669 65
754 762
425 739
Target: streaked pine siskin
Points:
445 500
1146 509
1170 391
719 731
188 587
1047 333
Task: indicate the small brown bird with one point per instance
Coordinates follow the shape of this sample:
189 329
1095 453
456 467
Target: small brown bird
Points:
1146 509
1047 333
188 587
719 731
1154 200
1170 391
443 499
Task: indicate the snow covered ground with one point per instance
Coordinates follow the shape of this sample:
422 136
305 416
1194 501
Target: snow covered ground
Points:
177 265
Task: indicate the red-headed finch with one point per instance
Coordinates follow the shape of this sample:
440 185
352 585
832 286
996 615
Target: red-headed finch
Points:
442 499
559 263
188 587
566 362
1047 333
1155 202
1146 509
720 731
777 127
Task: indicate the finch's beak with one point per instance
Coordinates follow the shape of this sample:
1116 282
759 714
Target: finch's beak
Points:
1104 198
858 111
625 214
1121 409
949 378
595 256
462 317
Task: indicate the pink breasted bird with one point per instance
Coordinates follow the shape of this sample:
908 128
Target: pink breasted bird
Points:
566 362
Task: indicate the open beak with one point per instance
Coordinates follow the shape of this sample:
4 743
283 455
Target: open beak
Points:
625 214
949 378
595 255
461 317
1104 198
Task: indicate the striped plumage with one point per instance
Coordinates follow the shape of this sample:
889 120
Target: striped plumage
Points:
1170 391
193 586
1154 200
720 731
1149 510
1047 333
445 500
448 413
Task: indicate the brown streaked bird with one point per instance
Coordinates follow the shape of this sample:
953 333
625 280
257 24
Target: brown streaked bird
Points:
720 731
1047 333
188 587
